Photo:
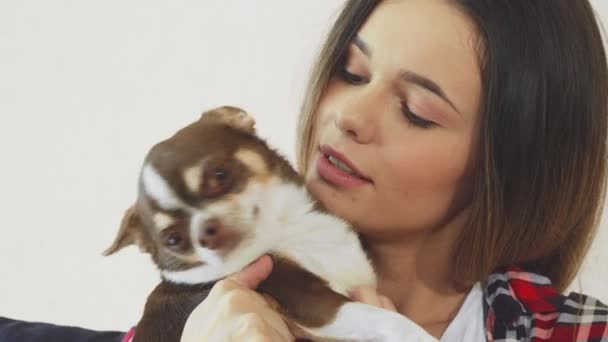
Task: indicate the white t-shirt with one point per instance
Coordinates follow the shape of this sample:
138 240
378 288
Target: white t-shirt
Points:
468 324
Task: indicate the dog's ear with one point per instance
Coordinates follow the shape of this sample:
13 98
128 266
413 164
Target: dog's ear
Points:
130 232
232 116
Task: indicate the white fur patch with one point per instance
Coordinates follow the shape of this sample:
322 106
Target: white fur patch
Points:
287 225
195 275
253 160
363 322
193 177
157 188
163 221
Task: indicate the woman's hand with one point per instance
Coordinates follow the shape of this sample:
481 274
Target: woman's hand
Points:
233 311
368 295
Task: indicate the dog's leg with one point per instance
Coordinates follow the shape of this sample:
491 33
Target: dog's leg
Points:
361 322
324 315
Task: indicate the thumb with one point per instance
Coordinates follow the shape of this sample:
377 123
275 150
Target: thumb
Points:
252 275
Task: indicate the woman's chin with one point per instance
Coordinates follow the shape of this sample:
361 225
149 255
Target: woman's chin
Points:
332 200
320 191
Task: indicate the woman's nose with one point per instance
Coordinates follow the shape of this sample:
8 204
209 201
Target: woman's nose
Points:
356 118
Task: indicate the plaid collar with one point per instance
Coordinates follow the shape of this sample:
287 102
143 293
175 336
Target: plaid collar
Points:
523 306
512 292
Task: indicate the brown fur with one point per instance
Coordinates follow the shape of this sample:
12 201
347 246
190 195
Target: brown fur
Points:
289 289
167 309
221 141
288 278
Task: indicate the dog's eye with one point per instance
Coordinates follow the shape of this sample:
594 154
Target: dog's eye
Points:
173 239
217 182
221 175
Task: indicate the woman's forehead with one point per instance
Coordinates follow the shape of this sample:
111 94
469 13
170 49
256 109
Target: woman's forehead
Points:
431 38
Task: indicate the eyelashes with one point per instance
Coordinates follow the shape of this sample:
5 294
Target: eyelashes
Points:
355 79
415 119
350 77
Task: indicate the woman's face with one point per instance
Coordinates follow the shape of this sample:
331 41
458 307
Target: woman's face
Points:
402 113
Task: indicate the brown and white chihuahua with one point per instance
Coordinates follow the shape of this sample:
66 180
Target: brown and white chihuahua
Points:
213 198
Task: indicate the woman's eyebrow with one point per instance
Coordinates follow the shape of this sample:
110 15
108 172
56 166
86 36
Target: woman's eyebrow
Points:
428 84
409 76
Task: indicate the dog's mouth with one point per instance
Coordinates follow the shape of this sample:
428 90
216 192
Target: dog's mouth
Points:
216 240
217 236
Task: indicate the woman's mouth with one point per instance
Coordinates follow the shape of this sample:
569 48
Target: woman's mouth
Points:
336 169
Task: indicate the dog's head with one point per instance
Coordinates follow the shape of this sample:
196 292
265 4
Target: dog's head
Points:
202 194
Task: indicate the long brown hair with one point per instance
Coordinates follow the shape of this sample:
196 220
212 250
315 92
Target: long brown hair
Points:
541 161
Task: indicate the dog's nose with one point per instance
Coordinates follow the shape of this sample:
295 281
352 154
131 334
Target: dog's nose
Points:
214 235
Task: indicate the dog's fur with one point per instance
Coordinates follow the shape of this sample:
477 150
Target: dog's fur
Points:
213 198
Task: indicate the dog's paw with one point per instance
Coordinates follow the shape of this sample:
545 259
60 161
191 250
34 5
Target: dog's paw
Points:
233 116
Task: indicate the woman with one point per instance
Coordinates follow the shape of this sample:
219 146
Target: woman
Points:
472 140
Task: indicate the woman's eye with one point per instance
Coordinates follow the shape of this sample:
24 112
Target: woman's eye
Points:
351 77
415 119
348 76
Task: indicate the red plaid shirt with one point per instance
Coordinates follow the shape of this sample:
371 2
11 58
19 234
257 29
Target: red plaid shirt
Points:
522 306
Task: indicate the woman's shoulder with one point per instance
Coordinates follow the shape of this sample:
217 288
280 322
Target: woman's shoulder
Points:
524 305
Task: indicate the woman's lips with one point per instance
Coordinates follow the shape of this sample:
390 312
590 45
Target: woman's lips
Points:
335 175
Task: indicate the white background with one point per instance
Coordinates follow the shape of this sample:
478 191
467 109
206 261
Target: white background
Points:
86 87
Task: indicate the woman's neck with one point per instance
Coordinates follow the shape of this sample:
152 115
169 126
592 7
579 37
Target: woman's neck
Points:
415 271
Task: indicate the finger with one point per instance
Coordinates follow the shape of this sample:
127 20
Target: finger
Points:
221 288
236 316
247 301
366 295
254 327
247 312
261 308
206 322
276 323
387 303
226 299
252 275
239 301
